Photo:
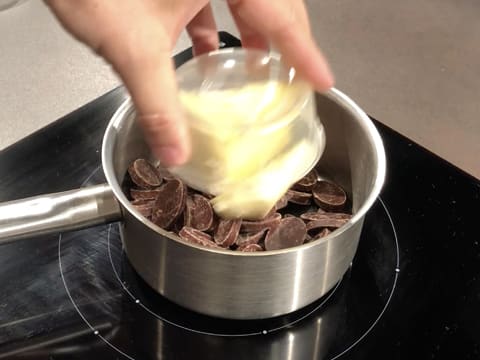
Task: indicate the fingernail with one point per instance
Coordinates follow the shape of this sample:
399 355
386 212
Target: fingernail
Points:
171 155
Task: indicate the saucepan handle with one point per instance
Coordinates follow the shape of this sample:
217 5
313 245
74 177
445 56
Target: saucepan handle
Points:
51 213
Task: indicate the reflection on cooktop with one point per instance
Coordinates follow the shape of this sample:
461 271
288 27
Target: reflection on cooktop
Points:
104 288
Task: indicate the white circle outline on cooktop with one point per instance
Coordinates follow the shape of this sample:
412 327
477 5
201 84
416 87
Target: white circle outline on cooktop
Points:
397 271
95 331
263 332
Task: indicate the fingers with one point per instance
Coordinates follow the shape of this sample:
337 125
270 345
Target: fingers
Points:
249 36
285 24
136 38
133 38
203 31
305 57
142 59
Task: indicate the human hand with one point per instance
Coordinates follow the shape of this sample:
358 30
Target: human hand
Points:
137 36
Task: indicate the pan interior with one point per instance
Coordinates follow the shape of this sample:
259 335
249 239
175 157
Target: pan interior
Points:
353 158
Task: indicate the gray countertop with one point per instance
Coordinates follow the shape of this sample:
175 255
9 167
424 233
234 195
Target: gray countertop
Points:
414 65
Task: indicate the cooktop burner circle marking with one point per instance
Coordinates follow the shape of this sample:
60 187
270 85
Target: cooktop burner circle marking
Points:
95 331
263 332
397 267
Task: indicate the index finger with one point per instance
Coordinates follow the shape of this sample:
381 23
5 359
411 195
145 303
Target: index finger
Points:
143 62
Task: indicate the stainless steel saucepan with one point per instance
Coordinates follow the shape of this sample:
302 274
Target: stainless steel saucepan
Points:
216 282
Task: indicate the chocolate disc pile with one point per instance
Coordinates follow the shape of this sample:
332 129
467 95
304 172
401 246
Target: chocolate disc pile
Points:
310 210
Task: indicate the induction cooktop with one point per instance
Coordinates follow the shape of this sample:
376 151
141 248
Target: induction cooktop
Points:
411 292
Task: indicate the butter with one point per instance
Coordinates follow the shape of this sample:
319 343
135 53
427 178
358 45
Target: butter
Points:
250 144
254 197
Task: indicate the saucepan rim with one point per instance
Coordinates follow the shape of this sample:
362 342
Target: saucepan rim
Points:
125 110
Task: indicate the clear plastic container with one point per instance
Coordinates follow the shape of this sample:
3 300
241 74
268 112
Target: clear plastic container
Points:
253 126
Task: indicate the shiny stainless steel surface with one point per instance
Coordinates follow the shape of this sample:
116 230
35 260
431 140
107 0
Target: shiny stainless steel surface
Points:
221 283
63 211
256 285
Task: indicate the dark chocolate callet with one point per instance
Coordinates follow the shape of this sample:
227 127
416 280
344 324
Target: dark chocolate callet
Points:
329 196
299 197
198 237
198 213
264 224
307 182
169 203
143 174
227 232
250 248
291 232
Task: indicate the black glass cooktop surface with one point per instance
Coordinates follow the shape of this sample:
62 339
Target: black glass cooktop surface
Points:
412 291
